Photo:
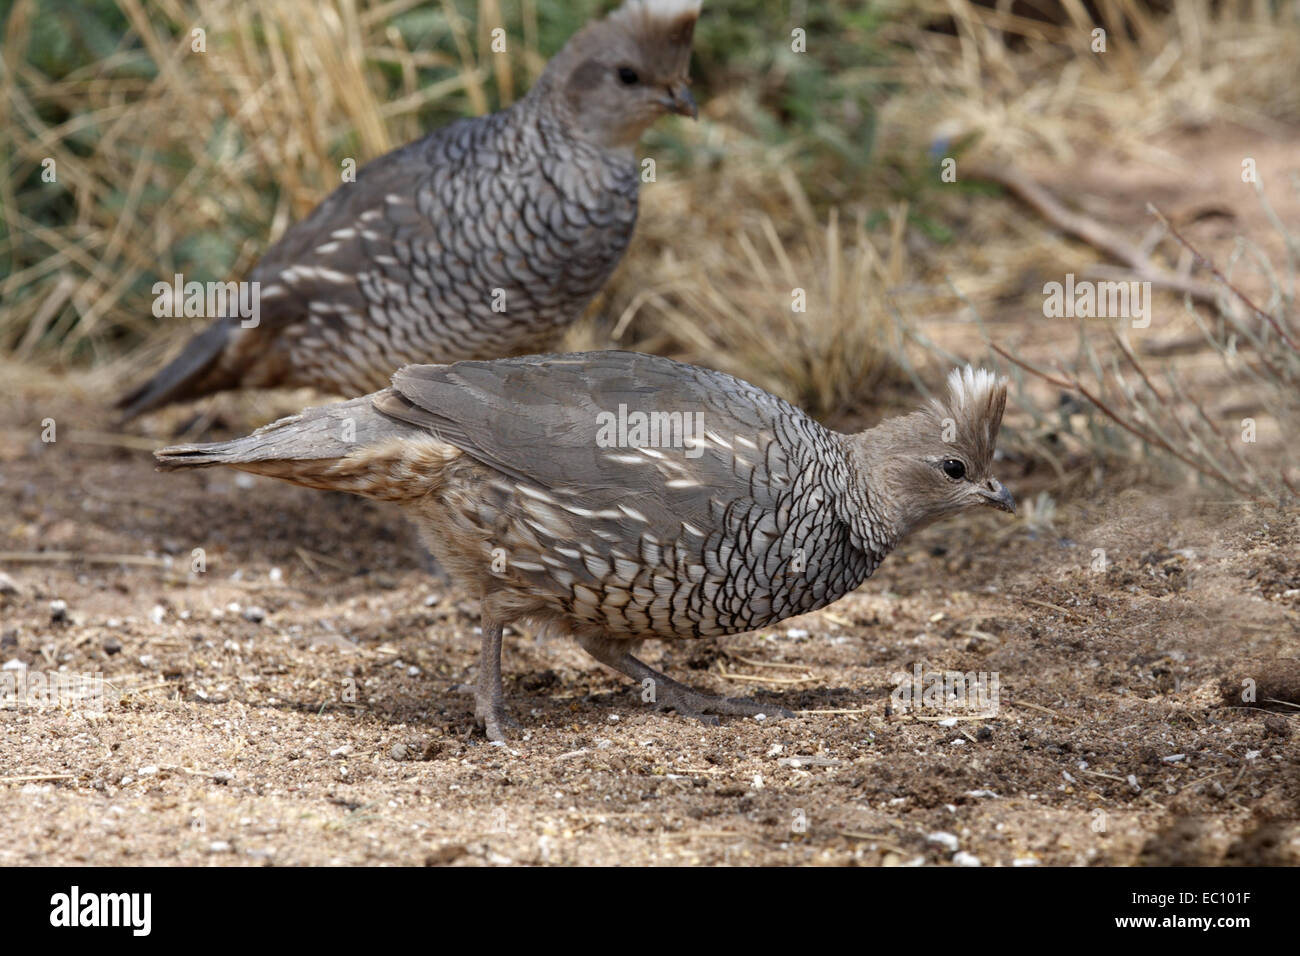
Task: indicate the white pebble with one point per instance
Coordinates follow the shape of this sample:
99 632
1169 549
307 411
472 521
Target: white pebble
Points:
944 839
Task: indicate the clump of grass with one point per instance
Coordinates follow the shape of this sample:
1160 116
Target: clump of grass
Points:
1024 85
774 291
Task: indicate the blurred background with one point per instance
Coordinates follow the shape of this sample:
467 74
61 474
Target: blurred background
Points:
1080 134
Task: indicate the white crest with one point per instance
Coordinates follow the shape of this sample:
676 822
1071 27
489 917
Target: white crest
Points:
972 386
668 10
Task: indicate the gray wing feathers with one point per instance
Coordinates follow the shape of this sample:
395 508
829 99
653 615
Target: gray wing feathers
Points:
539 419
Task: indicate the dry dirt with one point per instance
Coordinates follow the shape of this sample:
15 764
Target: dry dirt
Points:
298 701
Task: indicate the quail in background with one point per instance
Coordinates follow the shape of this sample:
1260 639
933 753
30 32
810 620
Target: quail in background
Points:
622 497
482 240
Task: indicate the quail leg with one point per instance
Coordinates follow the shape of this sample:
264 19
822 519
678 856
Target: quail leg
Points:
671 695
489 702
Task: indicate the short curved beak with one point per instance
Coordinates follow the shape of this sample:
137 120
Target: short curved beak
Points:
679 100
997 496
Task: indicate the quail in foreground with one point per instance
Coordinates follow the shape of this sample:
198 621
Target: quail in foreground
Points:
621 496
482 240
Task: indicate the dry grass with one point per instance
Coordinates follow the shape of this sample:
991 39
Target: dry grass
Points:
174 161
1023 88
1258 352
800 306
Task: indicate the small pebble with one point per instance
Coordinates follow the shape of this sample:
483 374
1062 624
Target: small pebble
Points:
255 614
944 839
58 611
398 752
1276 725
962 858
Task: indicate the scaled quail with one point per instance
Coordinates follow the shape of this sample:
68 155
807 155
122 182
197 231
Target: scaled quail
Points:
621 496
482 240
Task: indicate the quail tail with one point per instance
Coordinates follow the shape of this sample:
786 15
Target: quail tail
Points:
348 446
182 378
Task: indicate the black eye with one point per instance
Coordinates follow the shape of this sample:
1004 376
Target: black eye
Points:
627 76
954 468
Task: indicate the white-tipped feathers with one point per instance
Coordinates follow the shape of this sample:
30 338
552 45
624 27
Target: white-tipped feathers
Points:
663 10
972 386
976 401
662 29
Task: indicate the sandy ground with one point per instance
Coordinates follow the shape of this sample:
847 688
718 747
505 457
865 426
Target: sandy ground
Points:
299 702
